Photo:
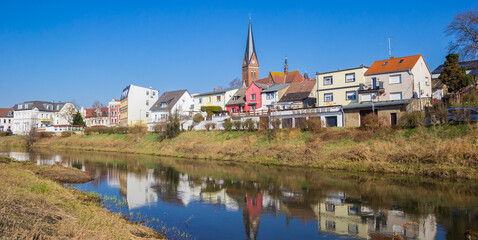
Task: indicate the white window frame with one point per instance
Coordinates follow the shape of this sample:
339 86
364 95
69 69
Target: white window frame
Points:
253 97
331 95
396 94
326 79
348 74
366 100
347 95
393 77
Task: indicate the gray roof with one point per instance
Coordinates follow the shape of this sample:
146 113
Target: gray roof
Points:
241 97
171 98
215 92
40 105
470 65
377 104
276 87
250 49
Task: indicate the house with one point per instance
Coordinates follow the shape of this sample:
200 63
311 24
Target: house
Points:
238 101
95 116
6 119
135 104
340 87
40 114
439 89
254 97
179 102
299 95
271 95
215 98
114 112
396 79
282 77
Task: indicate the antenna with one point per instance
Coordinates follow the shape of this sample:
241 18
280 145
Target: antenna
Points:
249 16
389 48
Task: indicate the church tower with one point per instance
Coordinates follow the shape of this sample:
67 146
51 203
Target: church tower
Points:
250 65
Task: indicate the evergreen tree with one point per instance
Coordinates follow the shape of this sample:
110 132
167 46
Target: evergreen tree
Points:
78 120
454 76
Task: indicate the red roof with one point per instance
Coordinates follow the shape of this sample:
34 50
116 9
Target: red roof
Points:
394 64
281 78
91 112
4 112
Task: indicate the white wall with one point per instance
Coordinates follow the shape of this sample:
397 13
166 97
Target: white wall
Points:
137 107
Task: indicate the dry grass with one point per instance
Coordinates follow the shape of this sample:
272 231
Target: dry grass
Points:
32 207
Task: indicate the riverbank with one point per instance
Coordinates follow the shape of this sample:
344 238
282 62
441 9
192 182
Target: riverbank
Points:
442 151
35 206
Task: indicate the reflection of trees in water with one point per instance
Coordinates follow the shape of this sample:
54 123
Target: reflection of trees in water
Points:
297 189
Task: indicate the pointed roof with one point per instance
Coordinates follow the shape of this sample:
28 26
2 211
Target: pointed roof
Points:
393 64
299 91
169 99
239 98
250 49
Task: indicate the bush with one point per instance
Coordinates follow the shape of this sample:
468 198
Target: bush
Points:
250 125
211 110
198 118
65 134
172 126
227 125
45 134
210 126
3 133
276 123
119 130
138 129
412 120
439 114
313 124
372 122
237 125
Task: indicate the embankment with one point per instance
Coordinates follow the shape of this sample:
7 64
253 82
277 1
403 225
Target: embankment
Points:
442 151
35 206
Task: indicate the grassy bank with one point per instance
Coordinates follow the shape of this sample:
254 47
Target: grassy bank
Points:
33 206
442 151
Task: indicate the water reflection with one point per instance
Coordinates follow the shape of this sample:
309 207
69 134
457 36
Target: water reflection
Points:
254 202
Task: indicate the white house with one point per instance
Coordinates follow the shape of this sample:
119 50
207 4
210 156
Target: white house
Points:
135 104
171 102
6 119
214 98
271 96
39 114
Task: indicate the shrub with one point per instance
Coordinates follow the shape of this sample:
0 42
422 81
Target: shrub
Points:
439 114
65 134
159 128
210 126
3 133
97 130
372 122
45 134
237 125
412 120
313 124
172 126
249 124
120 130
138 129
198 118
227 125
276 123
211 110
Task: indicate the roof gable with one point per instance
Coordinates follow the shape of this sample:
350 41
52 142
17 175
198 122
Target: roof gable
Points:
167 100
298 91
393 64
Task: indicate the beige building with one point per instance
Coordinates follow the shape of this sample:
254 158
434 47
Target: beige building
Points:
340 87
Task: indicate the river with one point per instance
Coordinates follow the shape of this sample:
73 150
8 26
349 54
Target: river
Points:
198 199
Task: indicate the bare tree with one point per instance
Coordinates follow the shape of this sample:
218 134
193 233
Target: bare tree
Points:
97 106
465 27
235 83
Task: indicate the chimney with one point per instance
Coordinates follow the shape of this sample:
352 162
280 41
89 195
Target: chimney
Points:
215 89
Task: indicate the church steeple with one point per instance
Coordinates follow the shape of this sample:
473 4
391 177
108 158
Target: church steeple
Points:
250 65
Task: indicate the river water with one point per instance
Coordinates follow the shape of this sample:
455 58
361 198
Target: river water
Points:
197 199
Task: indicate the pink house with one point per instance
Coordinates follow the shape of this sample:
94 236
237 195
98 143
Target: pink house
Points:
253 97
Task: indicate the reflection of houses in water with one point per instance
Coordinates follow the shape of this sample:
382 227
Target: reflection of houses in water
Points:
113 175
336 215
140 190
393 220
20 156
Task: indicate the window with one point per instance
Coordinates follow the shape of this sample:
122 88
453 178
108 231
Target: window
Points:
366 97
396 96
328 80
236 98
328 97
154 93
253 107
147 92
20 106
385 63
9 113
350 77
253 96
147 114
352 95
233 110
426 82
164 104
218 98
270 96
200 100
395 79
401 60
147 102
209 99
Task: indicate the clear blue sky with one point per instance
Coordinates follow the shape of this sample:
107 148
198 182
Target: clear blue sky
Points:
91 50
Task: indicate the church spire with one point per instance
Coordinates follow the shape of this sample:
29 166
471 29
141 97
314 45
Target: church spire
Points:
286 66
250 64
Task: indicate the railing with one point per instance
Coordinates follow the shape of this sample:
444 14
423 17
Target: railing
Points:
371 87
275 112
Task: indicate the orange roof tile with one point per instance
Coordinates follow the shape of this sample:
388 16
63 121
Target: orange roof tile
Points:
4 112
393 64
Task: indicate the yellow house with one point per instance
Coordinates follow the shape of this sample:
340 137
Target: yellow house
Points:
340 87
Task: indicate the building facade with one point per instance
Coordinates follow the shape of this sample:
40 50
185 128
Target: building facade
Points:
215 98
6 119
271 96
135 105
340 87
179 102
114 112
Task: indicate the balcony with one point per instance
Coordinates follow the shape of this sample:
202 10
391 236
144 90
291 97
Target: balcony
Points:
371 88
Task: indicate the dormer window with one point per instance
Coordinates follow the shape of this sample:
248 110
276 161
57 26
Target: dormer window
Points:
385 63
164 104
20 106
10 113
147 92
401 60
